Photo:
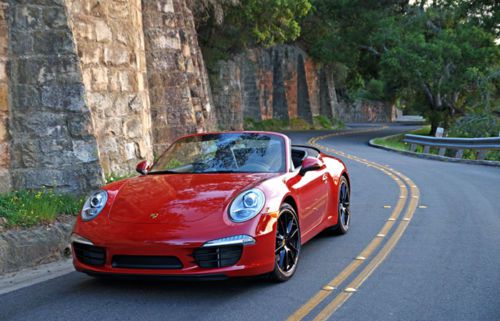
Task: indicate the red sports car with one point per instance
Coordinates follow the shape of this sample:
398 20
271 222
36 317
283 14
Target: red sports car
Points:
214 205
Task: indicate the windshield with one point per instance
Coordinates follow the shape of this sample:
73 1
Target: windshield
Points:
229 153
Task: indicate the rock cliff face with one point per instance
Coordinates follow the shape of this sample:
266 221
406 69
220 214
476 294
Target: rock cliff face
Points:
178 82
283 82
88 87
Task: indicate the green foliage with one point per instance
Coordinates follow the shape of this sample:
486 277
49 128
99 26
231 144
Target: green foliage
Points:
248 23
323 122
115 178
299 124
319 122
437 62
273 21
374 89
268 124
396 141
29 208
482 125
439 58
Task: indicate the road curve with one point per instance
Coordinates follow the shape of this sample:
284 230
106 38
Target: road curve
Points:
446 265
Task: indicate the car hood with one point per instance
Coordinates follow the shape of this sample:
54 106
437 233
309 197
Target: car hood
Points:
178 198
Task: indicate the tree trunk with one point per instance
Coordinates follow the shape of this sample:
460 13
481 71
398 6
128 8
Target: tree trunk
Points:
434 126
435 119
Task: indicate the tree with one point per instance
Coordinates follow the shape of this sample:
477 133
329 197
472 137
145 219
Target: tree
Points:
337 32
437 61
439 57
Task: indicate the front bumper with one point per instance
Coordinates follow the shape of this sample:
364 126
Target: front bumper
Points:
179 258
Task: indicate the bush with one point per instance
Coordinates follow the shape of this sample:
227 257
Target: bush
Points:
266 125
299 124
485 125
322 122
375 90
28 208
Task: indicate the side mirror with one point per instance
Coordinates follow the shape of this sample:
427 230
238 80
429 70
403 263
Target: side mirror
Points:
311 164
143 167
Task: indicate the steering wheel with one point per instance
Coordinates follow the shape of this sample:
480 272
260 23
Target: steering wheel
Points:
256 166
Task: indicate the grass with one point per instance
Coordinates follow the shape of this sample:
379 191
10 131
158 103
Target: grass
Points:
396 142
115 178
30 208
319 122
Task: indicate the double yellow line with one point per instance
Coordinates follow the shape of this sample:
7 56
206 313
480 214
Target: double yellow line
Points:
365 257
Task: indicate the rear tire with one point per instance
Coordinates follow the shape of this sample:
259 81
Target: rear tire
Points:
343 208
287 248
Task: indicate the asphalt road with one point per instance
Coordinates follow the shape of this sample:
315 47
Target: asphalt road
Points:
446 266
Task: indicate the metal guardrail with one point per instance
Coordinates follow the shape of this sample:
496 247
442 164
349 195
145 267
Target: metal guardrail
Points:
481 145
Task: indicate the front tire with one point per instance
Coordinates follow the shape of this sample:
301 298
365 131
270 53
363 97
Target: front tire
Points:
287 249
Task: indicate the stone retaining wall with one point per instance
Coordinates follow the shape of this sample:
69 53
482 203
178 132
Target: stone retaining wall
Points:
28 248
74 94
178 83
90 87
4 104
52 140
110 45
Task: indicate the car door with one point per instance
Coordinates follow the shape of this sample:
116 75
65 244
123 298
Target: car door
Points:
312 190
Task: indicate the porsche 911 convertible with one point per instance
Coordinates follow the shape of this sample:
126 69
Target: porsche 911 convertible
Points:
214 205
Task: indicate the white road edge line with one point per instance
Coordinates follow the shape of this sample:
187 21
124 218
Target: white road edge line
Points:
31 276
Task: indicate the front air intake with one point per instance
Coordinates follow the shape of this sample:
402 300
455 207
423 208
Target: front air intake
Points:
90 254
218 256
146 262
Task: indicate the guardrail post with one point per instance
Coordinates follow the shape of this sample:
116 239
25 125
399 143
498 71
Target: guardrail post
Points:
413 147
460 153
442 151
427 148
481 154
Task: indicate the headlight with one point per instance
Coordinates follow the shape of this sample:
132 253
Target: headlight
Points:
246 205
94 205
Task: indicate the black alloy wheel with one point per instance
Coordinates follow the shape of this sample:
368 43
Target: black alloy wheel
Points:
344 211
287 249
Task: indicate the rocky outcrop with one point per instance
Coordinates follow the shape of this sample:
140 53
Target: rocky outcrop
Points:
282 82
366 111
